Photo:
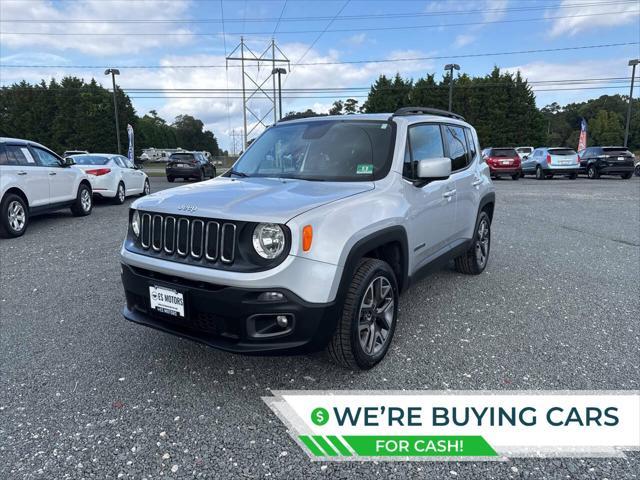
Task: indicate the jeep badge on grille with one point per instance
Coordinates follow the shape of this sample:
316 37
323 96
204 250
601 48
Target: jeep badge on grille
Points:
186 207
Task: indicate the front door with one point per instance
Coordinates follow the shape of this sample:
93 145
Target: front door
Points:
61 178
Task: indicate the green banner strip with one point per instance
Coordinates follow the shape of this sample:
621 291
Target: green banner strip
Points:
311 446
339 445
325 445
420 446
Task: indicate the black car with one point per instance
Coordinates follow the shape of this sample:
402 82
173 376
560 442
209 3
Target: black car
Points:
596 161
189 165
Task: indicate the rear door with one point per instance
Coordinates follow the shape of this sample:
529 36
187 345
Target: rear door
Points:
134 176
18 167
431 206
62 180
529 165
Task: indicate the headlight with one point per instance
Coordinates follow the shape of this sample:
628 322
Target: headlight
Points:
135 223
268 240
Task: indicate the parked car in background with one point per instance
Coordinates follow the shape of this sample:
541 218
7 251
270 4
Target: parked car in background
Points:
503 161
596 161
113 176
546 162
524 151
187 165
33 180
637 169
68 153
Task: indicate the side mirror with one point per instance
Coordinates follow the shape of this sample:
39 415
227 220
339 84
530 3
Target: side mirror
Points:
68 161
137 166
434 169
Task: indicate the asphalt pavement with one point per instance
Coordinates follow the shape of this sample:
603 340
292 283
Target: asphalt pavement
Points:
86 394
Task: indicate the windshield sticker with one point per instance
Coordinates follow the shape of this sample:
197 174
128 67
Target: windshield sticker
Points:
364 168
383 126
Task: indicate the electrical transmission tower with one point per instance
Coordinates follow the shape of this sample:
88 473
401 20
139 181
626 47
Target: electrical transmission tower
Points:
257 88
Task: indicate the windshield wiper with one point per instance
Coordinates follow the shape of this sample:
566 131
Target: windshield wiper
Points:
239 174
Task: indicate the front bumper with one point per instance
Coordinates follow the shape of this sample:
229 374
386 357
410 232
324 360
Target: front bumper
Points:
230 318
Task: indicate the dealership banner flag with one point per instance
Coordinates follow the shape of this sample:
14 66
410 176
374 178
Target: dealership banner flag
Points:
459 425
582 143
130 153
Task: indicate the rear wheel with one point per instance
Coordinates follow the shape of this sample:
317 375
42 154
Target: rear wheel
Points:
84 201
474 260
368 321
170 179
539 173
592 172
515 176
121 194
627 176
15 216
573 176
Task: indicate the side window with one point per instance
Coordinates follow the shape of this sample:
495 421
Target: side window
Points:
471 144
425 142
119 162
458 152
127 163
17 155
46 159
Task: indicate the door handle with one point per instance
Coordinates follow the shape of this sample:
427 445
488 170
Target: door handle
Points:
449 194
22 173
52 173
477 182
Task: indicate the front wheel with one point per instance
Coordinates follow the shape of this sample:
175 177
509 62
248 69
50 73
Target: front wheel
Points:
121 194
146 190
84 201
539 173
474 260
15 216
369 314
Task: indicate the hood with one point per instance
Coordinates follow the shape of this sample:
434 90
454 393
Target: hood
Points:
249 199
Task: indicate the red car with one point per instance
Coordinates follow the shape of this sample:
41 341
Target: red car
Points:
503 162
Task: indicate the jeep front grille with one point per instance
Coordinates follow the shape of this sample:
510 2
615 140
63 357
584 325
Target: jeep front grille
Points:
185 237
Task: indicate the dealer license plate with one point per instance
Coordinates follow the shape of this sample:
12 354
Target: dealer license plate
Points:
505 162
180 165
166 300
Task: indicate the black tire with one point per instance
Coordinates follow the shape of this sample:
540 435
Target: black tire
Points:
202 176
592 172
550 176
345 347
637 170
84 201
515 176
215 174
573 176
121 194
13 224
470 262
522 174
170 179
539 173
146 190
627 176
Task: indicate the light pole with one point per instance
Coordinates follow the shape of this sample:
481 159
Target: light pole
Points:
280 71
632 64
451 67
113 72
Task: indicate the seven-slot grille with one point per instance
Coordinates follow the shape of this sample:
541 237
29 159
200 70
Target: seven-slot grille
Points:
185 237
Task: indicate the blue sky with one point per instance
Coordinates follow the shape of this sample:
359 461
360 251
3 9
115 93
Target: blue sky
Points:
59 36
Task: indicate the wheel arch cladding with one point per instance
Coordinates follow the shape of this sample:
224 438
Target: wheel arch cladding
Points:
487 204
18 192
389 244
86 182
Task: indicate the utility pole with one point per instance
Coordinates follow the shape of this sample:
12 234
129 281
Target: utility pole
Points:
279 71
632 64
113 72
233 136
257 89
451 67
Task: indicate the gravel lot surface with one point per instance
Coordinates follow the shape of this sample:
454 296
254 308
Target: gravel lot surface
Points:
86 394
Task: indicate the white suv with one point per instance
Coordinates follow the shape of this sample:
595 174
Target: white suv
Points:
307 242
33 180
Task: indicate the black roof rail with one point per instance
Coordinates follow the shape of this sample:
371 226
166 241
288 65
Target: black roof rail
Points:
426 111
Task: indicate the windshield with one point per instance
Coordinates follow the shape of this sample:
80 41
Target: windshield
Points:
333 150
181 156
503 153
90 160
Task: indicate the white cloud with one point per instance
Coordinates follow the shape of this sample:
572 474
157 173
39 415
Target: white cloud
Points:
116 42
490 5
463 40
606 15
357 39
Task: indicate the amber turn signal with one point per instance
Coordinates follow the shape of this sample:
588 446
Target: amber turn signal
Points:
307 237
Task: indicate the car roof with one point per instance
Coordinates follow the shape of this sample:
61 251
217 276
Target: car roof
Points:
379 117
21 141
92 154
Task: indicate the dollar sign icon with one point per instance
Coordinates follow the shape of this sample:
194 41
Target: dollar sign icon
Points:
319 416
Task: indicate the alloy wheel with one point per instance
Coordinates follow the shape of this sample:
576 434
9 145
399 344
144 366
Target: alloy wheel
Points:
376 315
17 216
147 188
85 200
483 237
121 194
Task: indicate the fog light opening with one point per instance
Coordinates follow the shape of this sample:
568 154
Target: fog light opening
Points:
282 321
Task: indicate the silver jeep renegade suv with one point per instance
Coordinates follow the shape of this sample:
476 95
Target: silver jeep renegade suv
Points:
307 242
